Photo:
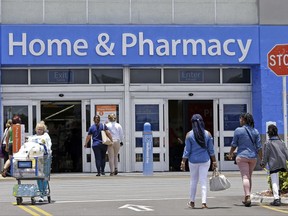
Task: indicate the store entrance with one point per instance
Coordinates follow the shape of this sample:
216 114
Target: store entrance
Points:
63 119
180 113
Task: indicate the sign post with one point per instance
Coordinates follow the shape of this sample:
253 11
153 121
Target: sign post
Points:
278 63
285 109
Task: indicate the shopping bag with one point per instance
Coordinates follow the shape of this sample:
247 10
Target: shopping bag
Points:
105 139
218 181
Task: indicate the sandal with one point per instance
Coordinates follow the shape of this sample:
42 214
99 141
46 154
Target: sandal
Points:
116 171
247 201
204 206
191 204
4 172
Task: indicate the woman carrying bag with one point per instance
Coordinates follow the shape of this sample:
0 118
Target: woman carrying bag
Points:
198 150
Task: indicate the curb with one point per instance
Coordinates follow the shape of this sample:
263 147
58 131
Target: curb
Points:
265 199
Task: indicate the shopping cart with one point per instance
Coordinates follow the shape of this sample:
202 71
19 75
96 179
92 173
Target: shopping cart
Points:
35 168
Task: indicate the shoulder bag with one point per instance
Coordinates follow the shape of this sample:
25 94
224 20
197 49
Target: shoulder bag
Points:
254 143
218 181
105 139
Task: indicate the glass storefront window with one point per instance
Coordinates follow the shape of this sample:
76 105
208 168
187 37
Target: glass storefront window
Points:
145 76
227 141
88 122
139 142
14 76
59 76
156 157
236 75
34 120
139 157
107 76
231 115
188 75
147 113
22 111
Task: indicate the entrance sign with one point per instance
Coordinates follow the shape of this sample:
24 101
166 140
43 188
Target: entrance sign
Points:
278 63
128 44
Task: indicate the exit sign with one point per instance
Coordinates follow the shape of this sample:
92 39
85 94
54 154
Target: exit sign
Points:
61 77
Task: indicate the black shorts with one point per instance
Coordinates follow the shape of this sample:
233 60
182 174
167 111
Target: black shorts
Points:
10 149
278 170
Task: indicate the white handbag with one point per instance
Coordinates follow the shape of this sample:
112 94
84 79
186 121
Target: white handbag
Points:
105 139
218 181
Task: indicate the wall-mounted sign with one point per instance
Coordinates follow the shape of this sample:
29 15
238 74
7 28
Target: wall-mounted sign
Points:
191 76
60 77
128 44
104 110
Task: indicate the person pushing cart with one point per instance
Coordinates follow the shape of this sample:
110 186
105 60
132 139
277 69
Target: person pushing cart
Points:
33 162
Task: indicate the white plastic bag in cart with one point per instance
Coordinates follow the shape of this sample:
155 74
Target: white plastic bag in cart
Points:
28 162
44 140
30 150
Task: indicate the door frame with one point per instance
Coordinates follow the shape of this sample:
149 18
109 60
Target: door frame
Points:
29 104
86 152
88 158
163 164
225 164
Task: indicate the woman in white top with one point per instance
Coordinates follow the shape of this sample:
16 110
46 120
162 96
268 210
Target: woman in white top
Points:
42 137
4 144
113 150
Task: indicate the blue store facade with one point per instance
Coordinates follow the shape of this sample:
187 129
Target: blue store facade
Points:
65 74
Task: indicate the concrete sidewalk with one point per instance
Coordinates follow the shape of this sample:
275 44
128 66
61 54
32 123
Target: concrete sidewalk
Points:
255 197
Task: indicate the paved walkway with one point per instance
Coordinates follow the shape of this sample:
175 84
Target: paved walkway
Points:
256 197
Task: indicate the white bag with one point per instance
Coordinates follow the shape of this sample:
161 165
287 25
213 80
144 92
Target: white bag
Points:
30 149
105 139
218 182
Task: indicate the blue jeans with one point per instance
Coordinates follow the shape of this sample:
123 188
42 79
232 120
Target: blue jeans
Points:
100 154
42 186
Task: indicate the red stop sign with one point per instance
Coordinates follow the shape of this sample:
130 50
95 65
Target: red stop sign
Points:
278 59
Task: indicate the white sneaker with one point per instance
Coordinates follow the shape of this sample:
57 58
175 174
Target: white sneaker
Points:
41 199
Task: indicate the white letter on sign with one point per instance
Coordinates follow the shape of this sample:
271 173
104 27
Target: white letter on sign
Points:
272 60
40 44
58 46
125 45
243 49
285 59
279 59
78 45
21 44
